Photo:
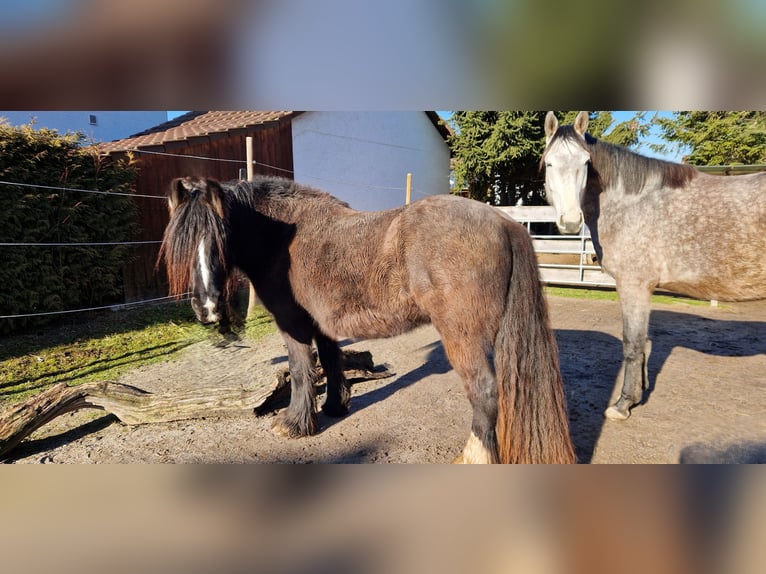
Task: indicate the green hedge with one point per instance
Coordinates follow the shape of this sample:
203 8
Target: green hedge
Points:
42 278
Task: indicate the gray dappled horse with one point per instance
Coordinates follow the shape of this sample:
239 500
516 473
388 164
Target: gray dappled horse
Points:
326 271
655 224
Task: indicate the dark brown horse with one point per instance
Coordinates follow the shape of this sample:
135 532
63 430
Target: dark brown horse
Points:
326 271
655 224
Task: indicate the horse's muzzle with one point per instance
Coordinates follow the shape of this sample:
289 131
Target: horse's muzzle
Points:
570 223
207 313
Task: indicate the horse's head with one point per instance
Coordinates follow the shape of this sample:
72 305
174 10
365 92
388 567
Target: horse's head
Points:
566 160
194 245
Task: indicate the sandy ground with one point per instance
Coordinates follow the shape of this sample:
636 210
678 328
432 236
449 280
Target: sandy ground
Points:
707 399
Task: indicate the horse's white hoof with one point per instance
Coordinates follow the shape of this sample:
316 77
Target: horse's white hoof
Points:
615 414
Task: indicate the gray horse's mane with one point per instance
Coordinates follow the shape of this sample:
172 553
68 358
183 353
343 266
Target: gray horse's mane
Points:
611 163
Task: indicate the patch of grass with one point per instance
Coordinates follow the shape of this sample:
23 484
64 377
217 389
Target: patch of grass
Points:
611 295
104 346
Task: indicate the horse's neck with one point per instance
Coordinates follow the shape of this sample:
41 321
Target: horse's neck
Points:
291 209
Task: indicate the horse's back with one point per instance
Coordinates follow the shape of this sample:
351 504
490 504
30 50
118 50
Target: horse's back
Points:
377 274
728 236
706 240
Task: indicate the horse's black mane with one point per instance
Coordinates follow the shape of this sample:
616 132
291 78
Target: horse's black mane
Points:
273 197
610 163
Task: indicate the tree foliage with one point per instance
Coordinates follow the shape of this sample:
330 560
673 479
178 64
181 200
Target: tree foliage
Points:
715 138
497 153
44 278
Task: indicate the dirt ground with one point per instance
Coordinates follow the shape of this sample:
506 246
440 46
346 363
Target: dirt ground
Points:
706 402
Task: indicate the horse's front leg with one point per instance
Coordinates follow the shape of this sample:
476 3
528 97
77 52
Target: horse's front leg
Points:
299 418
635 300
338 389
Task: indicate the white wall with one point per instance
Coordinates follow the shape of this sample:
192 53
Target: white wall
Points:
110 125
363 157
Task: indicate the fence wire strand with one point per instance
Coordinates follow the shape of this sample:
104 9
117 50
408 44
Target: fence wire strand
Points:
205 158
96 191
183 297
81 244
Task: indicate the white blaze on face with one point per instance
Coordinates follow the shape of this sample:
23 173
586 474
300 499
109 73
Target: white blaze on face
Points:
204 265
206 273
566 174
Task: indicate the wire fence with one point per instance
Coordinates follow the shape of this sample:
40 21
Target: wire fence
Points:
97 191
413 191
80 244
114 307
205 158
274 167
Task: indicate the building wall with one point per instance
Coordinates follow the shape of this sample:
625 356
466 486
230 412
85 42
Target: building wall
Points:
110 125
363 157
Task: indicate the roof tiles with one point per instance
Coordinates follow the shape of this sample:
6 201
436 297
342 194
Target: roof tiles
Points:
194 124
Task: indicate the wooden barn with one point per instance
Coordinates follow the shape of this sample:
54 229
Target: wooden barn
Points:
361 157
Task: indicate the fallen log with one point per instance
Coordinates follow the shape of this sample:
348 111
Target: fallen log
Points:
134 406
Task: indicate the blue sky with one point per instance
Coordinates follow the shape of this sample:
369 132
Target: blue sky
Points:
654 136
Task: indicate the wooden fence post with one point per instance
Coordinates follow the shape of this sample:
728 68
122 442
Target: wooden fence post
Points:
408 197
249 155
252 299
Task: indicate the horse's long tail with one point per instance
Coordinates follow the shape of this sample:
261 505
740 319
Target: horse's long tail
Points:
532 424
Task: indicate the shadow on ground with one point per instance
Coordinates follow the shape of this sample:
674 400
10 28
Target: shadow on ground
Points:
591 361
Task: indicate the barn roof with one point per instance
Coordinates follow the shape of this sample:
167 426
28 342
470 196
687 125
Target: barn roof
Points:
195 124
200 124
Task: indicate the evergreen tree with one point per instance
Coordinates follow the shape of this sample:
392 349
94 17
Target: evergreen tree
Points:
40 279
497 153
715 138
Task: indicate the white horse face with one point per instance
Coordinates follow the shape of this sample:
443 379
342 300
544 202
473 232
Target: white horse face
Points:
566 174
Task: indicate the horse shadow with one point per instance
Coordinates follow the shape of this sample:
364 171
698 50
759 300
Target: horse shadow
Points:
590 363
746 452
31 447
92 368
436 363
591 367
717 337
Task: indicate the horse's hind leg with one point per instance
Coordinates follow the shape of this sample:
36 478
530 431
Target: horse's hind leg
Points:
338 390
635 301
473 365
299 418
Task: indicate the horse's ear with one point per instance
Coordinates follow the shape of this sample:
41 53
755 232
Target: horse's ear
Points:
551 125
581 123
214 196
179 193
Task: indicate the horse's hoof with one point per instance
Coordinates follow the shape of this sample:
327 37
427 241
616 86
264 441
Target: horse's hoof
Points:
281 430
615 414
286 429
335 410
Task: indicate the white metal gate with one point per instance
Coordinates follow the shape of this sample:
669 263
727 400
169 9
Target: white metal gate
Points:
563 259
